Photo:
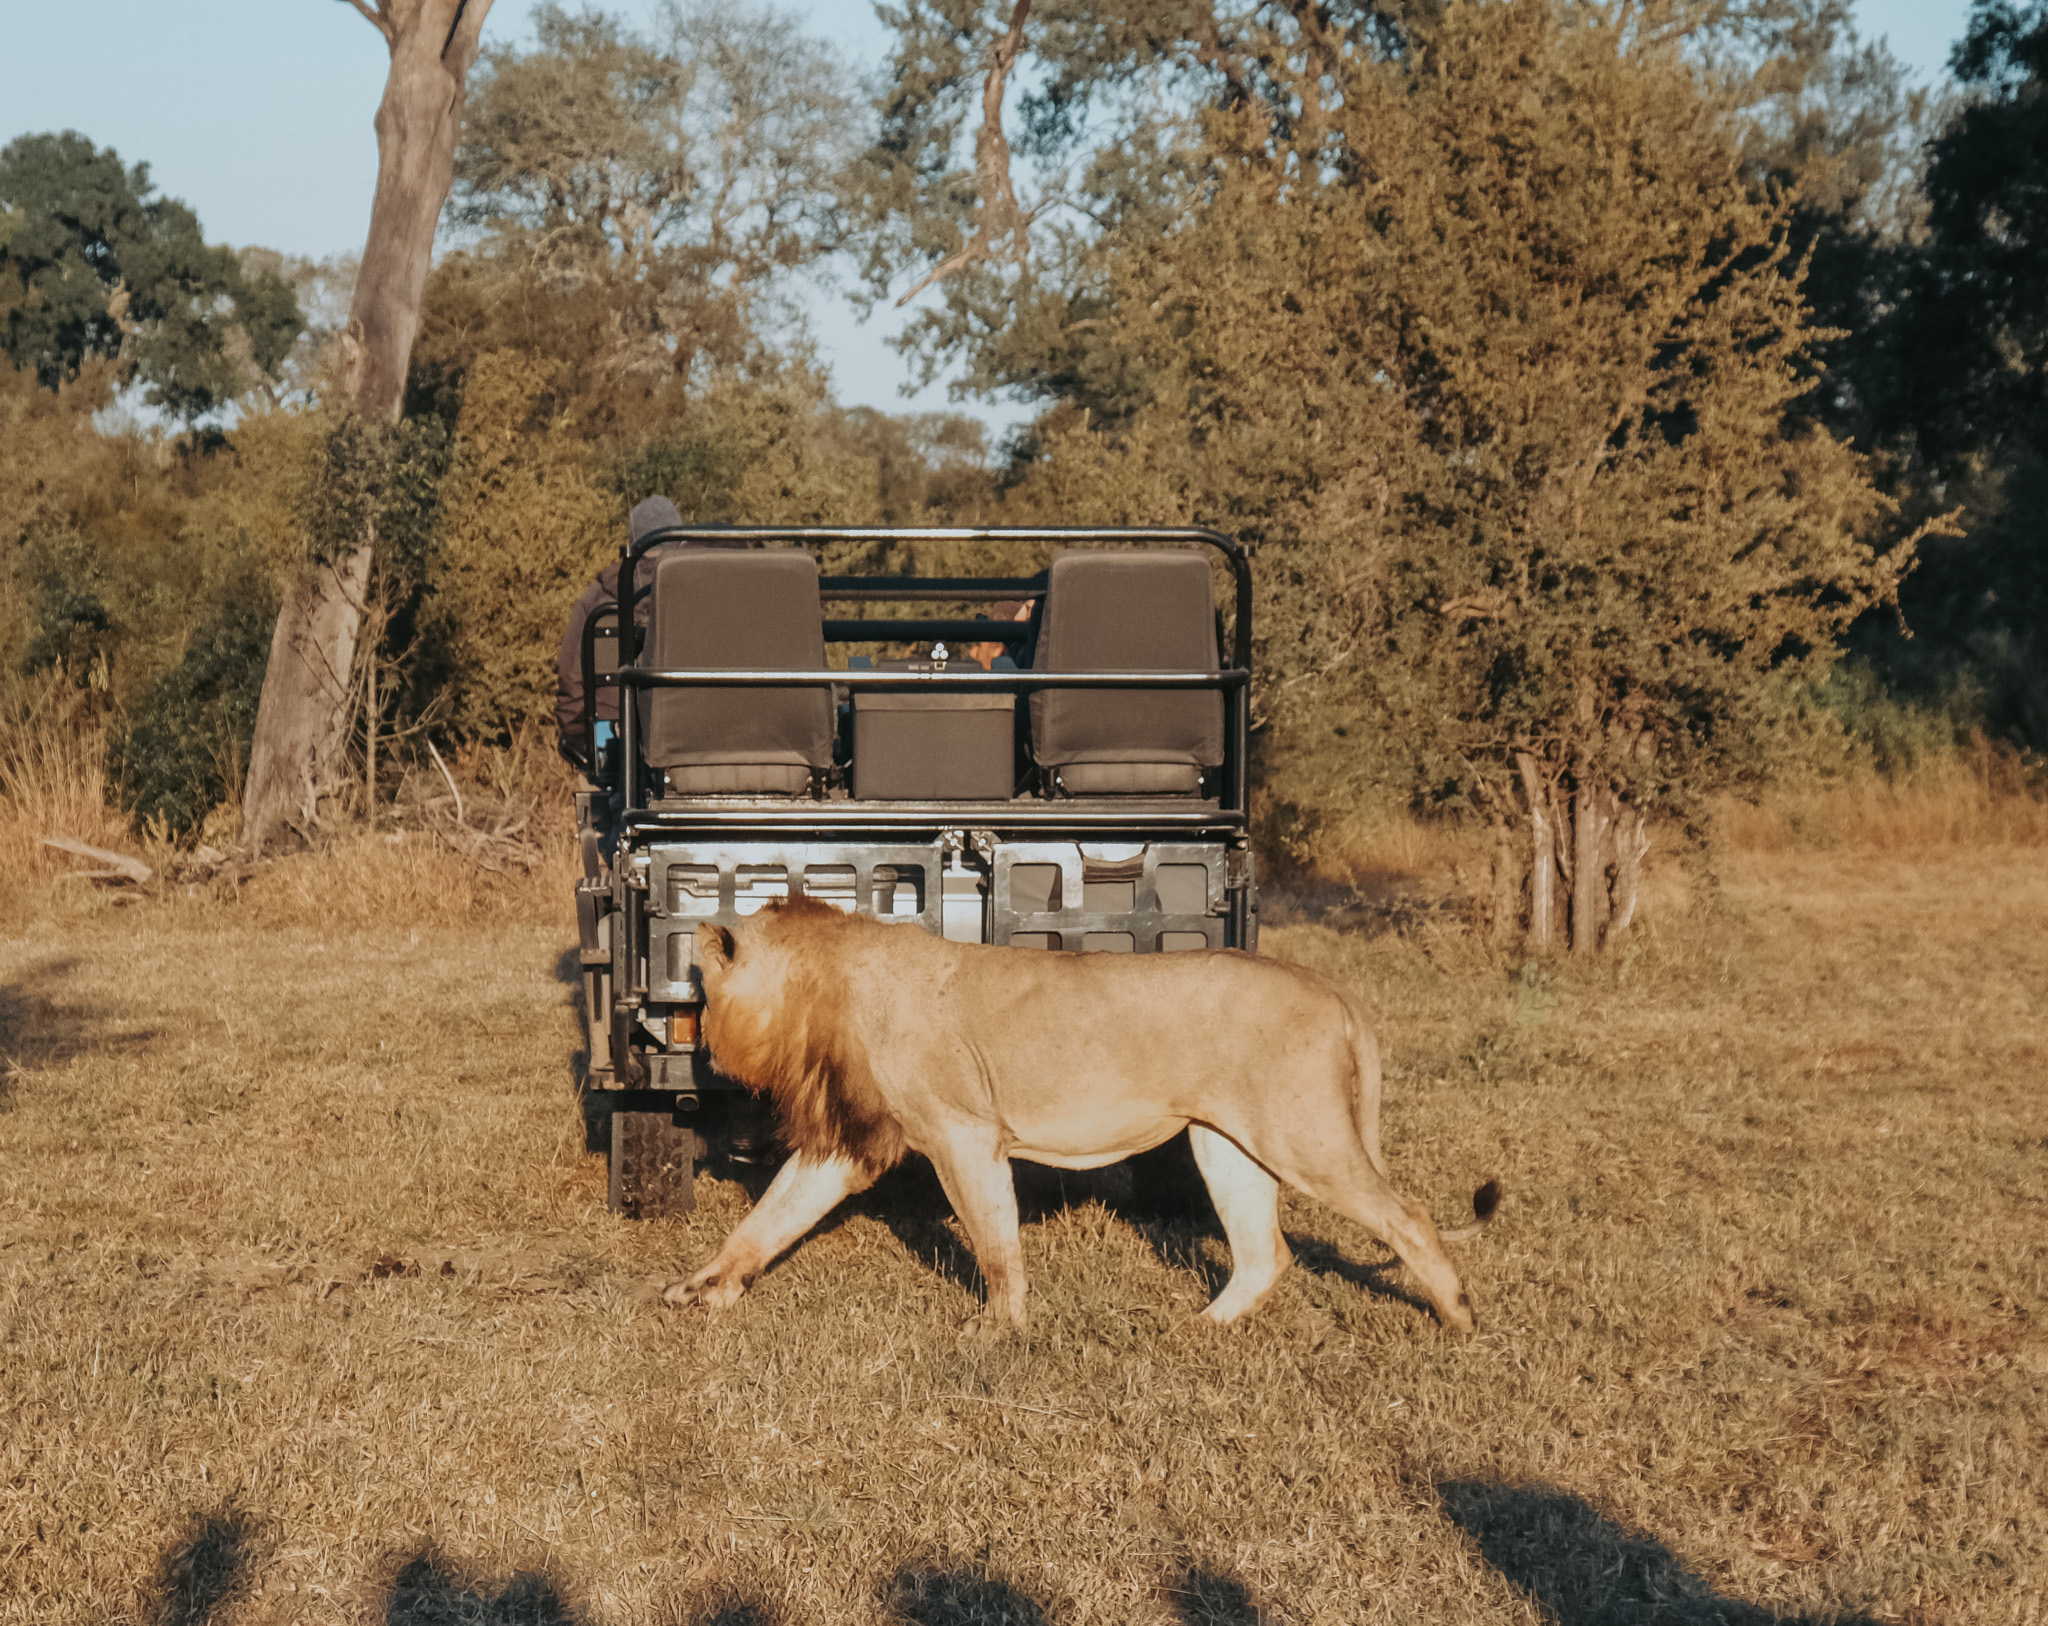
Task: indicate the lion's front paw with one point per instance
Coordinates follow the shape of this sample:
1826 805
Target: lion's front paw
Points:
713 1289
988 1326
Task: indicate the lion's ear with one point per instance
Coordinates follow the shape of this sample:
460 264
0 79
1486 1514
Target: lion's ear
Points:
715 943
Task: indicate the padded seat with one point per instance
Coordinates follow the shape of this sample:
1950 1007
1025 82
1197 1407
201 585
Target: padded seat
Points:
722 609
1127 612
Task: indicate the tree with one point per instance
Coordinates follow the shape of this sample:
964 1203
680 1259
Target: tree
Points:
175 755
1981 311
665 184
1937 370
1500 380
93 264
527 526
1104 111
302 721
1107 131
1960 372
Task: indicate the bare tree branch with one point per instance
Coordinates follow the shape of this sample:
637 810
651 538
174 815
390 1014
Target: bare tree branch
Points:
1000 216
378 20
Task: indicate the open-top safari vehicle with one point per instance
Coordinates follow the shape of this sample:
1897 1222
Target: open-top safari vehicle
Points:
1087 796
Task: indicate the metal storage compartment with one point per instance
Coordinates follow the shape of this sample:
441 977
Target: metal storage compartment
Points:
934 747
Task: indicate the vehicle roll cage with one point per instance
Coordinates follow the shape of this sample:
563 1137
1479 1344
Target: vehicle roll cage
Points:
1233 682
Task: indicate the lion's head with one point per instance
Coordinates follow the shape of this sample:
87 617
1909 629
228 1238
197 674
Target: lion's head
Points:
775 1019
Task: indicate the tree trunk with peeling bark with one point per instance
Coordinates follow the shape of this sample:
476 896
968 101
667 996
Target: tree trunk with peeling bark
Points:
1586 852
302 721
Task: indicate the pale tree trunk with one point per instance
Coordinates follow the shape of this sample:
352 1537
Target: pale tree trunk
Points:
1590 827
1631 847
1544 902
1586 858
302 720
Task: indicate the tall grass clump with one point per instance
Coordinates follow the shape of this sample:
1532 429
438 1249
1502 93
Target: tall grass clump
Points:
53 784
53 781
1976 793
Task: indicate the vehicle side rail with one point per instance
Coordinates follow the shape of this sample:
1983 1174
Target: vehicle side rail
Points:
1234 684
1022 814
1011 682
1236 559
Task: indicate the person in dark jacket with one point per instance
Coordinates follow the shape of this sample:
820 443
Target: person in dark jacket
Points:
652 514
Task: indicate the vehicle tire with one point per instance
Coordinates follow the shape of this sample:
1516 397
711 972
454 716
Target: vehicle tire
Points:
653 1165
1166 1184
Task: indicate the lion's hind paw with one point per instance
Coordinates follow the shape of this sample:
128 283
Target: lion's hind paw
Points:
713 1289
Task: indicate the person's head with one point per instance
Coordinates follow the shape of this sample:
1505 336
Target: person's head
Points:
1004 609
651 514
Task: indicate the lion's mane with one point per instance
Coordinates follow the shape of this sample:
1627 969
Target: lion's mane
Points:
804 1053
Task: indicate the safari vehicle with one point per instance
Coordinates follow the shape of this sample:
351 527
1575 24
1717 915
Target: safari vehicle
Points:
1092 800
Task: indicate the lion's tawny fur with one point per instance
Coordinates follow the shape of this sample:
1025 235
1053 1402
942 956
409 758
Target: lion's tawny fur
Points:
874 1039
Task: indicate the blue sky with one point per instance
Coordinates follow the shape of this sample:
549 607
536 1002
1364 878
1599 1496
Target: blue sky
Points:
257 113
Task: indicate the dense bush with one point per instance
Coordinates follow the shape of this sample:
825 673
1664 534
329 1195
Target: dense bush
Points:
181 750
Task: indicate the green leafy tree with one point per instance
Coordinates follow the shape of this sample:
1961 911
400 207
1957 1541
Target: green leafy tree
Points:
1956 375
1020 143
1500 377
1981 320
661 182
1015 230
93 264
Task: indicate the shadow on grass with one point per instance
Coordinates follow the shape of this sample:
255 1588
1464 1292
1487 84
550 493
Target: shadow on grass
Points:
1381 1278
1582 1569
1207 1597
203 1569
911 1202
39 1028
429 1592
967 1595
595 1106
931 1596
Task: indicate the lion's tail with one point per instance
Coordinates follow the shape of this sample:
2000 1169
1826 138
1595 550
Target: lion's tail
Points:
1485 1204
1366 1108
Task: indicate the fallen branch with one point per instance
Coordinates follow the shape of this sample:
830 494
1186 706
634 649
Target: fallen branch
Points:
118 865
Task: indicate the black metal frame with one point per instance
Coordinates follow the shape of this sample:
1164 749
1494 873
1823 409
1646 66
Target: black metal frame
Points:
861 835
1234 682
939 587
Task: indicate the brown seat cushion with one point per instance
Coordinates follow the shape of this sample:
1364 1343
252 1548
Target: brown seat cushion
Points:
1128 612
721 609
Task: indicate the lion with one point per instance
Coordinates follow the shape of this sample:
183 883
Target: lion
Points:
876 1039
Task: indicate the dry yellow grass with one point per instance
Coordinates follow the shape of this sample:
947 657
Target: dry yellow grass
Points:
310 1309
53 749
1984 795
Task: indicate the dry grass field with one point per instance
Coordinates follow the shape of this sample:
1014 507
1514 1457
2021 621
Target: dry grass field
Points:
311 1310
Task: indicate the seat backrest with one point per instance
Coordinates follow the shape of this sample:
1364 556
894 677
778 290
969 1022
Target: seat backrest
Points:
1144 611
721 609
